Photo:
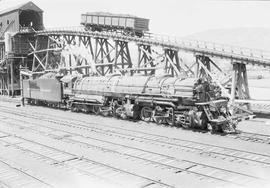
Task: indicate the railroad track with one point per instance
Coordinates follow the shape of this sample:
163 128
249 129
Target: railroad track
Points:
69 162
11 176
59 159
240 135
155 155
154 158
143 161
252 137
241 156
186 145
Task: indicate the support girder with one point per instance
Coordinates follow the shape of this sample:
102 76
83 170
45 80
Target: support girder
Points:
239 88
102 56
145 59
212 67
122 59
172 65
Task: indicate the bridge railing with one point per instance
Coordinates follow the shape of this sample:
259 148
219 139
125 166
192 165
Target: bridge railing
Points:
215 47
70 28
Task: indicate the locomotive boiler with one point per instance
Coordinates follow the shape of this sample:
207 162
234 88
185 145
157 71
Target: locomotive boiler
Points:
179 101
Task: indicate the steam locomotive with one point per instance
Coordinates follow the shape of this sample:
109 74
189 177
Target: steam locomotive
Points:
187 102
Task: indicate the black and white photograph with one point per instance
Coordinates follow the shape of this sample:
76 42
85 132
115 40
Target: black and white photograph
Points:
134 94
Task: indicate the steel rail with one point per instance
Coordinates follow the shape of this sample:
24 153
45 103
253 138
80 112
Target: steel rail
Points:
167 140
23 172
3 184
92 161
105 165
254 137
142 158
54 161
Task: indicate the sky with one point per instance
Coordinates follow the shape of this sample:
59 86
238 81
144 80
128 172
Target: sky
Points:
170 17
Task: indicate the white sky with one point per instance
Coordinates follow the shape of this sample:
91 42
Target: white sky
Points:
172 17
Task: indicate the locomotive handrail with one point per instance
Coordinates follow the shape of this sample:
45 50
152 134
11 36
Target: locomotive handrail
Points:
237 53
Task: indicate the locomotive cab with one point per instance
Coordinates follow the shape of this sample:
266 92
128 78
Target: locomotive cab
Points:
68 83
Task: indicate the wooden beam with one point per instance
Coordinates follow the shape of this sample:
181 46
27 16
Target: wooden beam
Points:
172 64
45 50
12 77
233 87
209 73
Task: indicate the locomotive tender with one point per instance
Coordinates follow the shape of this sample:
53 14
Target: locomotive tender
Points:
103 21
187 102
